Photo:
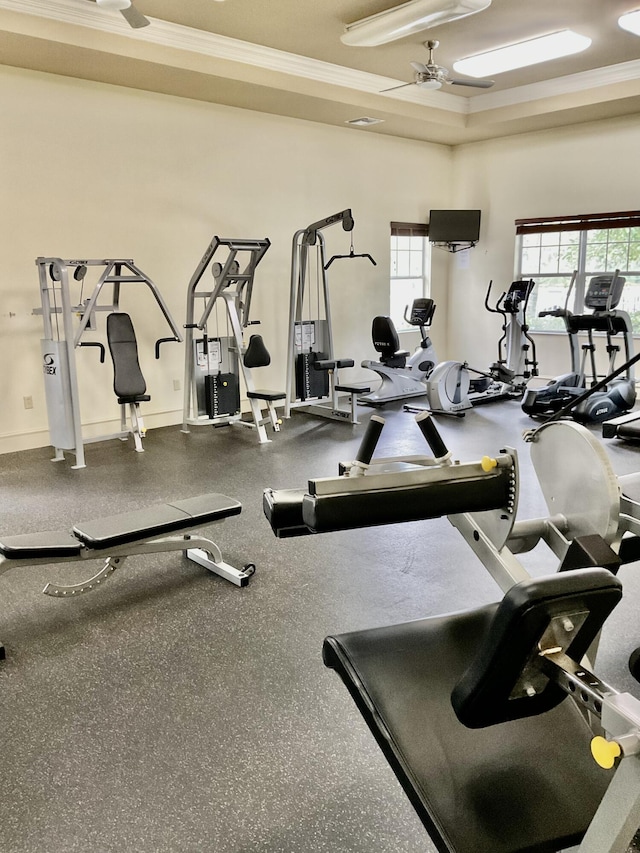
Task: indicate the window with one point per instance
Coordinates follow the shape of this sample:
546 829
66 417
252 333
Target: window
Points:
550 250
410 262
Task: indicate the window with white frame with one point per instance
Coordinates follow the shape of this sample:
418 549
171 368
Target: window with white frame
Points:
409 276
550 250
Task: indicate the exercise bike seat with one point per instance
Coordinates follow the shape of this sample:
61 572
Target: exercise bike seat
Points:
387 343
128 381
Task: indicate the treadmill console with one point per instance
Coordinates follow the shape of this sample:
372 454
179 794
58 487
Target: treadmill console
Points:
604 292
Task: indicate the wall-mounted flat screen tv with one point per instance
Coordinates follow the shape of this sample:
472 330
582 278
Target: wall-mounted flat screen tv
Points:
454 226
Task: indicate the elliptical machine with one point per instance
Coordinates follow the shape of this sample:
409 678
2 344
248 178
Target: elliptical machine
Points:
516 364
619 395
402 375
450 388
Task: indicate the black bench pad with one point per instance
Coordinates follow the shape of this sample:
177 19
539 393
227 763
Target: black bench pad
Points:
354 389
116 530
266 395
510 787
49 545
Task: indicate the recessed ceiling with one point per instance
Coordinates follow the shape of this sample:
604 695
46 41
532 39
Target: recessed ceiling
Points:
286 57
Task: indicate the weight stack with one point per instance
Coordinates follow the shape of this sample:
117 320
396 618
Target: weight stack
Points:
309 381
222 395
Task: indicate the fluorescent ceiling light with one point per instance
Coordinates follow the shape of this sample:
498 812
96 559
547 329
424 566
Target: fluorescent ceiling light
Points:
114 4
630 22
409 18
522 54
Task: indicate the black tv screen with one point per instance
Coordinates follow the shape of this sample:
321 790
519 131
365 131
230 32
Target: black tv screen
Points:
454 226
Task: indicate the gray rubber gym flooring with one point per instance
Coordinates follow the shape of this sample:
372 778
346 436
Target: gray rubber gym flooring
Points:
171 711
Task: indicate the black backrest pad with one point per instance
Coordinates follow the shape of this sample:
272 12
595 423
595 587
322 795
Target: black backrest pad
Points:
256 354
128 381
482 695
384 335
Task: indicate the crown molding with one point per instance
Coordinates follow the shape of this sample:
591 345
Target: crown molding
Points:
567 85
169 35
165 34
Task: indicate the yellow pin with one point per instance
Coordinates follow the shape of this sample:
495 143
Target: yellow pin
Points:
605 752
487 463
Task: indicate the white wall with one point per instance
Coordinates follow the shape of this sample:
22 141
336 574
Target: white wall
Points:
589 168
90 170
96 171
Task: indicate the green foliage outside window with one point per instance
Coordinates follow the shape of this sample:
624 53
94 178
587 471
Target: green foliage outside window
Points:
550 259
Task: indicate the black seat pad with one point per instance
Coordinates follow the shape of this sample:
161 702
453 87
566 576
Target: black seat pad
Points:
526 785
128 527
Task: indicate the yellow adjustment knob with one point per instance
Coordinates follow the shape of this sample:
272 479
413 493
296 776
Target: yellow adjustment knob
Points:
487 463
224 384
605 752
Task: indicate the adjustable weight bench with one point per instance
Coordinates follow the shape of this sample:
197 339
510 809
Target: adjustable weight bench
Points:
471 712
145 531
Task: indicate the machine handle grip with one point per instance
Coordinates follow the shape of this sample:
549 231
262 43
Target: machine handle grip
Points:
165 341
429 430
370 440
94 344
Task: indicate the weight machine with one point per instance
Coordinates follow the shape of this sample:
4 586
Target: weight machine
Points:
312 367
213 363
437 680
66 324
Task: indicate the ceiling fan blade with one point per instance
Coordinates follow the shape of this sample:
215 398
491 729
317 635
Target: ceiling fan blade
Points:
477 84
134 18
393 88
419 66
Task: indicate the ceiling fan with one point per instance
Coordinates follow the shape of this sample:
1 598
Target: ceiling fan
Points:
134 18
432 76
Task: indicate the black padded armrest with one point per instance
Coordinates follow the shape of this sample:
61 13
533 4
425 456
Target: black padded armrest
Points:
140 524
324 364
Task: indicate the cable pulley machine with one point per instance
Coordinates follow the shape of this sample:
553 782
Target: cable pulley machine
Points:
213 363
313 384
65 326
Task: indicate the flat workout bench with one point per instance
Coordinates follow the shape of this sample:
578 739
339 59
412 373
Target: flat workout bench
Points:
114 538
